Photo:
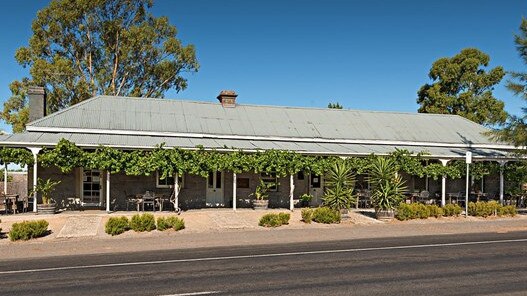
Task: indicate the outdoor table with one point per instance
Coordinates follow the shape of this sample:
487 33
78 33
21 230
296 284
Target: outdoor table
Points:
161 199
10 199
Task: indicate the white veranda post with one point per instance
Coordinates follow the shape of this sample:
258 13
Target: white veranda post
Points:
176 192
444 162
107 191
5 177
234 181
35 152
502 167
291 192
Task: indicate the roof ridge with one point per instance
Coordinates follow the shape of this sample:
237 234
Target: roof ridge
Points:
281 107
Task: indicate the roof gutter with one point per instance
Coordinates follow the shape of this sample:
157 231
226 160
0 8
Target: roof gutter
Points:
261 138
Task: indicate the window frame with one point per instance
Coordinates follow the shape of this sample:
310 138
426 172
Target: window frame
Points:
270 178
181 183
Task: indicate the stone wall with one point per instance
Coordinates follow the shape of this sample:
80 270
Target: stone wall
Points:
17 184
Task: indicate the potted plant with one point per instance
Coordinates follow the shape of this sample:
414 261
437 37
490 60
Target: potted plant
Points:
45 187
340 183
261 195
387 187
305 199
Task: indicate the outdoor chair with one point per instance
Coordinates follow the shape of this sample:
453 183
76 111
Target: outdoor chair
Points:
424 197
22 204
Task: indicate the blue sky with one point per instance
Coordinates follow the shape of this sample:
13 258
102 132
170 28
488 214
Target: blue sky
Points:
370 55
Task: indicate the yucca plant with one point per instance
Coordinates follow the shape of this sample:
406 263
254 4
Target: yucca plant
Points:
340 182
387 185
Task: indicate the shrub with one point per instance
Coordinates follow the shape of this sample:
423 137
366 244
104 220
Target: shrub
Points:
274 220
405 212
116 225
421 210
144 222
164 223
450 210
176 223
435 211
507 211
28 229
284 217
326 215
307 215
491 208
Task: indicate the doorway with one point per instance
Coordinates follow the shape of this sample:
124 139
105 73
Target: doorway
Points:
214 196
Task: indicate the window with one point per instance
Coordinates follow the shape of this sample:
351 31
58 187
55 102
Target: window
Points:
270 179
168 182
242 183
300 175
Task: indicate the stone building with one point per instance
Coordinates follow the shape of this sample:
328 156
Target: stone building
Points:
141 123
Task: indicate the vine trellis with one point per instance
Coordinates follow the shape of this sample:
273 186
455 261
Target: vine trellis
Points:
167 161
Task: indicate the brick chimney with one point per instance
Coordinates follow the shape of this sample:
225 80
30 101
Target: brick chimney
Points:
227 98
37 102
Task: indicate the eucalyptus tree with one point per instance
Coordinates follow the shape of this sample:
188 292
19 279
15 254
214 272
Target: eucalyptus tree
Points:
461 85
515 129
84 48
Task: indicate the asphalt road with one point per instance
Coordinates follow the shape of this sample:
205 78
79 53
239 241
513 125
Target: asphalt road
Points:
476 264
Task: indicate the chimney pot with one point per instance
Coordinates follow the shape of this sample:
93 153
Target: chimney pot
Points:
227 98
37 102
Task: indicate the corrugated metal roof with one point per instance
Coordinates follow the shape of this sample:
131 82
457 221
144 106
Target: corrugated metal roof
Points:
130 141
177 116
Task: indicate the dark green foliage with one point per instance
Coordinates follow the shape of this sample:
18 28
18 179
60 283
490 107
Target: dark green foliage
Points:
515 129
340 182
28 229
386 184
116 225
326 215
164 223
83 48
335 105
462 86
450 210
274 220
144 222
307 215
66 156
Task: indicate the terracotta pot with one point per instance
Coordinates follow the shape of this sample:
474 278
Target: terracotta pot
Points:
47 209
260 204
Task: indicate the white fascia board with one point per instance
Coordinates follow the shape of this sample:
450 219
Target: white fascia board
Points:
260 138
